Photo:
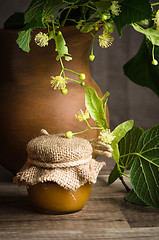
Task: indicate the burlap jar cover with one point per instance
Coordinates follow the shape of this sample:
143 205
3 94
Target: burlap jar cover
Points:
55 158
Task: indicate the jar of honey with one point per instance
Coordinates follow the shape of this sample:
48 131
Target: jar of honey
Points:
59 173
51 198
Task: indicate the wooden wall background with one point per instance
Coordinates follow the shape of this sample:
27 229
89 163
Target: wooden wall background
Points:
127 100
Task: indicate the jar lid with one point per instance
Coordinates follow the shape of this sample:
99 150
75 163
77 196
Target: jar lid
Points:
57 148
55 158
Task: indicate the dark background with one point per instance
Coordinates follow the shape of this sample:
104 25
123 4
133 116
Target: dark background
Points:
127 100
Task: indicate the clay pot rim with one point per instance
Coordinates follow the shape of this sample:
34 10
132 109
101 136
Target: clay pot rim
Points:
43 29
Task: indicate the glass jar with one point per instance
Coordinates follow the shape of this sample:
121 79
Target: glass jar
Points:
49 197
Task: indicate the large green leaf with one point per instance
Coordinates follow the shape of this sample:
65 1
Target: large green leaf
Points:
127 144
144 173
132 11
133 198
34 8
96 108
15 21
140 69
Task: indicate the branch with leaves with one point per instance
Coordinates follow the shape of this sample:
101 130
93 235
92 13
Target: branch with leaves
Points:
131 148
86 16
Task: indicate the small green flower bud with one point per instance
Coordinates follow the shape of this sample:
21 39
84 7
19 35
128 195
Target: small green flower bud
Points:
69 134
82 76
59 33
82 84
104 17
155 62
111 30
96 28
91 57
64 91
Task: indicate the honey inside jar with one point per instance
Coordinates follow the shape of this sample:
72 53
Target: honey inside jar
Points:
49 197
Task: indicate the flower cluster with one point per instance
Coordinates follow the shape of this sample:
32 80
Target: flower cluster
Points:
81 116
58 82
115 8
105 40
106 136
41 39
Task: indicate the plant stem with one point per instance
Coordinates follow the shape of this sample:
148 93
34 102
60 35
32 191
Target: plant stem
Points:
92 45
154 4
88 124
124 184
128 154
141 156
97 128
153 48
95 9
89 127
62 71
63 23
80 132
74 80
71 71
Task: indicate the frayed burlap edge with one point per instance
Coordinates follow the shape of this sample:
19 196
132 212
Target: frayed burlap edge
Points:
70 178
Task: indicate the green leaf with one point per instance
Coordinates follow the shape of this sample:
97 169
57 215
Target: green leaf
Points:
68 58
87 28
131 12
102 4
105 98
144 173
122 129
133 198
51 7
61 47
140 69
71 1
119 132
15 21
96 108
114 175
127 145
80 24
151 34
34 8
24 38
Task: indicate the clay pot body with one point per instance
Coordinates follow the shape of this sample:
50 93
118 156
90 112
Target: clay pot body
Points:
27 101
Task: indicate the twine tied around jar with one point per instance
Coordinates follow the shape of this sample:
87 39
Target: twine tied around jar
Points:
55 158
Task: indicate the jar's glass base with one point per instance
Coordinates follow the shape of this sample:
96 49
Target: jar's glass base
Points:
55 212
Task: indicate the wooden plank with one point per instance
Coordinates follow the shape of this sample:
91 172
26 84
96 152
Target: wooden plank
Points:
106 216
106 234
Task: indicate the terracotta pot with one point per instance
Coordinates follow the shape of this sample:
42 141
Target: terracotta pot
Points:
27 101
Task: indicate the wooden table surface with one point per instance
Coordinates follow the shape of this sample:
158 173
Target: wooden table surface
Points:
106 216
